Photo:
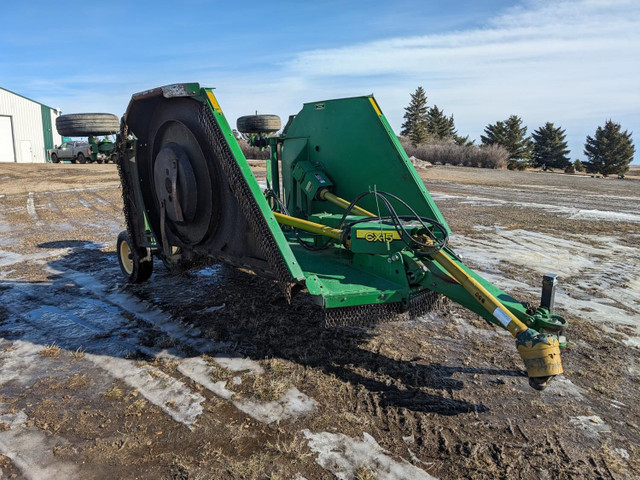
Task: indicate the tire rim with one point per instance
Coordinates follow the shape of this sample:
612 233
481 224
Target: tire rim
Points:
198 192
125 258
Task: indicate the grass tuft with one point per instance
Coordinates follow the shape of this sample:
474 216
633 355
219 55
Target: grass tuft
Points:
51 351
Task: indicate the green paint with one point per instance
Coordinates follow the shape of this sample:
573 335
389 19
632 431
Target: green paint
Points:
47 130
281 241
347 145
356 148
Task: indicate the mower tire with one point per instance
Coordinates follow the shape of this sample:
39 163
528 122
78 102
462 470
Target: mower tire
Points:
133 266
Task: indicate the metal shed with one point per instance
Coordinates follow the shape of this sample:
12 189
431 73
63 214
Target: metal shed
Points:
26 129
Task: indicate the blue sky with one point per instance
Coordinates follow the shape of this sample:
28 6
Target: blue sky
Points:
575 63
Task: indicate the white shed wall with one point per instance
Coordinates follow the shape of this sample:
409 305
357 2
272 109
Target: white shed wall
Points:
27 126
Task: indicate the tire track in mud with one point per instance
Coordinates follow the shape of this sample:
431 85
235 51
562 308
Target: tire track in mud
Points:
291 403
31 209
77 320
79 324
5 226
83 210
107 345
103 201
53 206
93 202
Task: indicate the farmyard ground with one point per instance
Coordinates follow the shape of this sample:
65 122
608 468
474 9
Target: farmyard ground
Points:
211 375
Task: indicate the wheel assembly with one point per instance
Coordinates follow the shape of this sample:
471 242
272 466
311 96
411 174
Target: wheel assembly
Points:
184 186
135 267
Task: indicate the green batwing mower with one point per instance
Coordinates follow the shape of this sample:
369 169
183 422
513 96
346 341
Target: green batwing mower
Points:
343 216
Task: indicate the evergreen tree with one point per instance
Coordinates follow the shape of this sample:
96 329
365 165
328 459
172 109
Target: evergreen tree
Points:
439 125
463 141
610 151
416 118
495 133
578 165
511 135
550 147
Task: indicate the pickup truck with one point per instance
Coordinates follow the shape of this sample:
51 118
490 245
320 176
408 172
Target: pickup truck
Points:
74 151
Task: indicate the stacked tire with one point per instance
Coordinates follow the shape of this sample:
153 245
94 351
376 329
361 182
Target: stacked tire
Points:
87 124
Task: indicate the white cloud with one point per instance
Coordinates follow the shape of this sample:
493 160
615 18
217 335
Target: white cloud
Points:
575 63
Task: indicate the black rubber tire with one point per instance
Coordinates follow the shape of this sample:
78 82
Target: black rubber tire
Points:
258 124
54 158
85 124
113 159
98 160
131 265
81 158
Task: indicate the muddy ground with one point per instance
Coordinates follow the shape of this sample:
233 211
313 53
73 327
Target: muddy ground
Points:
210 374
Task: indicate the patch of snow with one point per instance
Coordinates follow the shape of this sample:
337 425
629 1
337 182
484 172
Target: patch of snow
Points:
19 362
31 208
591 425
73 190
18 419
101 200
568 212
11 258
95 246
214 308
171 395
201 372
238 364
595 264
293 403
561 386
605 216
31 450
210 271
623 453
617 404
343 455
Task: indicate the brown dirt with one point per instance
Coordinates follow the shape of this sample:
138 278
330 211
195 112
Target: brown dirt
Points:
446 393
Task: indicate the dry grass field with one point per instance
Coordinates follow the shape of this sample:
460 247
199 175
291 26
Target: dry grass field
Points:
210 374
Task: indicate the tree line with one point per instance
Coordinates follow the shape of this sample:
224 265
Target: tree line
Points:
608 152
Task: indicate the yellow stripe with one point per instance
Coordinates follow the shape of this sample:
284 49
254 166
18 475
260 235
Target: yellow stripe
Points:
214 102
308 226
341 202
375 106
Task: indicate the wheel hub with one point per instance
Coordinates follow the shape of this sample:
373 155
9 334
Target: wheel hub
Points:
125 257
175 183
183 184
